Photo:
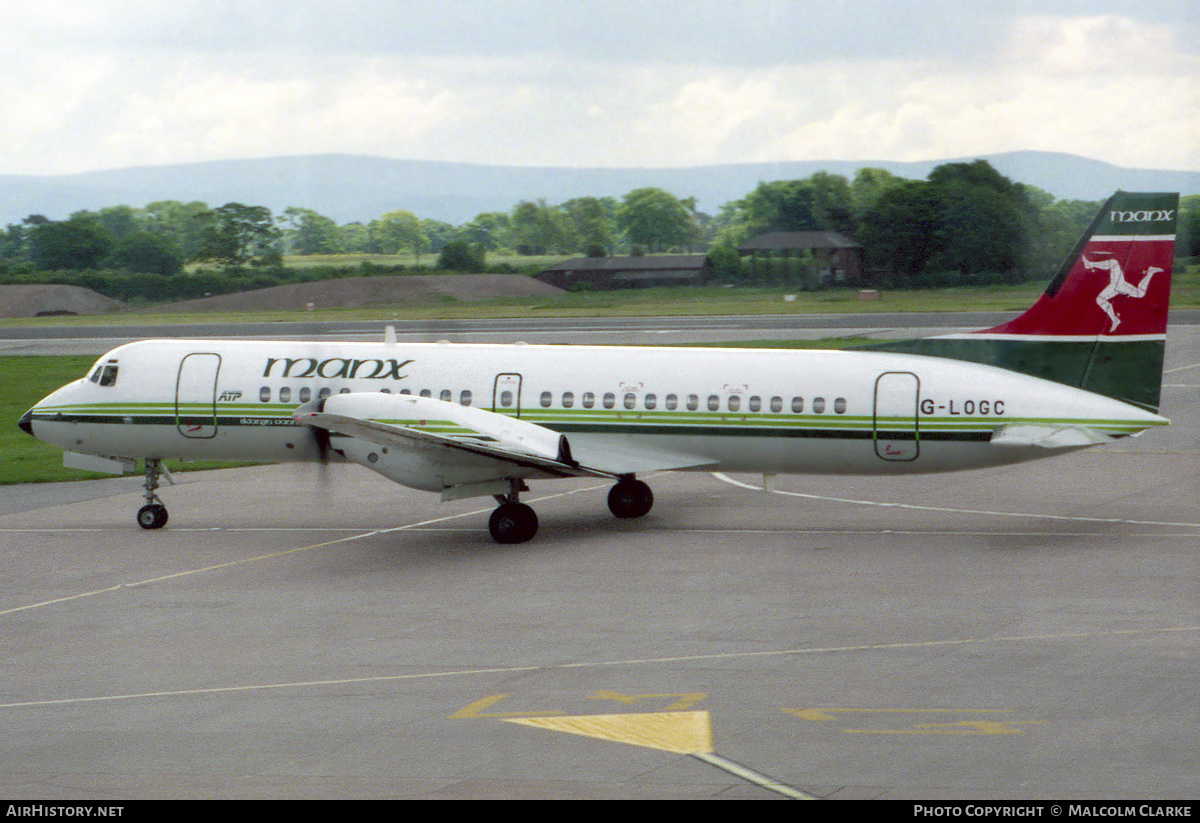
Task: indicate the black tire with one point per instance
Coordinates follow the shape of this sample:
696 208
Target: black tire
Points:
152 516
513 523
630 498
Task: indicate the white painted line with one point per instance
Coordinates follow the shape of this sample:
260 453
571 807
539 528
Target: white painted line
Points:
692 658
271 555
1181 368
751 776
726 479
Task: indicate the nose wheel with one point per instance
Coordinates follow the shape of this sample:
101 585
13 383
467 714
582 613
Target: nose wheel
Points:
153 515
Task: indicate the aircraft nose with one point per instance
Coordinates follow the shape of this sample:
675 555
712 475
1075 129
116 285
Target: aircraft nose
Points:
26 422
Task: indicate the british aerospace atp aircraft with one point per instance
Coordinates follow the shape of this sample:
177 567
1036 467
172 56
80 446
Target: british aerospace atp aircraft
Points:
1082 366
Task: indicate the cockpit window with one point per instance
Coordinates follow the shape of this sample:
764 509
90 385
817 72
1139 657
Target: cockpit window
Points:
104 373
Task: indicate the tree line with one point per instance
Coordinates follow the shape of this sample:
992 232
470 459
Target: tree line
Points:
964 220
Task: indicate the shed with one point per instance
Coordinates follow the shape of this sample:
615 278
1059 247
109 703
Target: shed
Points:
838 258
605 273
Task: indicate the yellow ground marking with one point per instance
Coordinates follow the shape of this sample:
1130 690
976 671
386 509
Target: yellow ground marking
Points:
957 727
476 709
686 699
679 732
687 733
828 714
961 727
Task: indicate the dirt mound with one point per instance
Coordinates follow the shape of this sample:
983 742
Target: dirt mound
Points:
36 299
357 292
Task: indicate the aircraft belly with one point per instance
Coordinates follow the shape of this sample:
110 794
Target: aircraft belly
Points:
835 455
163 440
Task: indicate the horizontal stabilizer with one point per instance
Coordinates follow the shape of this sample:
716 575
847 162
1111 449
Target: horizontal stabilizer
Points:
1048 437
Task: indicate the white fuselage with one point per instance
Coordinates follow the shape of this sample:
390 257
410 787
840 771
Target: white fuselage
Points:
772 411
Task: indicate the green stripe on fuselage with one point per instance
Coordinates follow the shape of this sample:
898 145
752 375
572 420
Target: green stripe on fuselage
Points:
1129 371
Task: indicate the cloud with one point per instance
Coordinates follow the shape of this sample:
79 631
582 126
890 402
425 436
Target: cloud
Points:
612 84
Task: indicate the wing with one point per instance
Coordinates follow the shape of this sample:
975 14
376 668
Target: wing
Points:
501 446
411 437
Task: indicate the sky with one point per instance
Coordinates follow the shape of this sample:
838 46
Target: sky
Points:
99 84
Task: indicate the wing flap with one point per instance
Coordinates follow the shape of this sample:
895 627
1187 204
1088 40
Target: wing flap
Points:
622 456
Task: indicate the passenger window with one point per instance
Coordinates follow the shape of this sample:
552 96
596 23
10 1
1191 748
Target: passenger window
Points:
651 401
589 399
323 393
426 393
305 394
797 405
672 402
406 391
464 399
630 400
610 400
693 402
735 402
819 405
568 399
264 394
776 404
446 396
506 399
839 405
285 394
755 403
546 399
714 402
343 391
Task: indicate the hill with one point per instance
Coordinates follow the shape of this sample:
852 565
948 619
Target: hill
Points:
347 292
359 292
352 188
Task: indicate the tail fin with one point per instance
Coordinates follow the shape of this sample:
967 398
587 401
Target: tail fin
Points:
1102 322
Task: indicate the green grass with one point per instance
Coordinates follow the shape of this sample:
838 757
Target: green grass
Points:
692 301
27 380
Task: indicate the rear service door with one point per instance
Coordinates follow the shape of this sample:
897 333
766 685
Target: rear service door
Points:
897 432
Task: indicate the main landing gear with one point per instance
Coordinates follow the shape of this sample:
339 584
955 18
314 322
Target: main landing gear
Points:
515 522
153 515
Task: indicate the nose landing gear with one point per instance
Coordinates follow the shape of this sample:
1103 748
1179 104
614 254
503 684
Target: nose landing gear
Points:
153 515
